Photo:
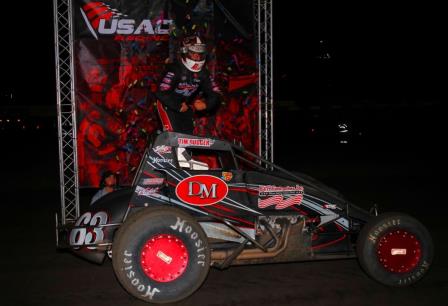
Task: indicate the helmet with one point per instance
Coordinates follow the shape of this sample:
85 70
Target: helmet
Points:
193 53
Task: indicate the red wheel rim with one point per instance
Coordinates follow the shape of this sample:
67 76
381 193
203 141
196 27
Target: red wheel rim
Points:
164 258
399 251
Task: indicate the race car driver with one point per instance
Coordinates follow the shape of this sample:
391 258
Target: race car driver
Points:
180 85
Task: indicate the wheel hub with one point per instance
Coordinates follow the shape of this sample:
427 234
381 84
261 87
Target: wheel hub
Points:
399 251
164 258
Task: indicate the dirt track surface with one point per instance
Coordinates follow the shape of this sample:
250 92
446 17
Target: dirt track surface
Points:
34 273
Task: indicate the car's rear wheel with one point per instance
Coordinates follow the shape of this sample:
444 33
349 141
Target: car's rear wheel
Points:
160 255
395 249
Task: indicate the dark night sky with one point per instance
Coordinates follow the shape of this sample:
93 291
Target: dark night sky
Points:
376 51
27 52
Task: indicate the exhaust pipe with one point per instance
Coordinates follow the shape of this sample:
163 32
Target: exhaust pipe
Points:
250 254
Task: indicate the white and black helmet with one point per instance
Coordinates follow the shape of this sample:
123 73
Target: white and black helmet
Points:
193 53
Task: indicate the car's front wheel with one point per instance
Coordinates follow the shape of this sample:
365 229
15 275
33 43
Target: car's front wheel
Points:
395 249
160 255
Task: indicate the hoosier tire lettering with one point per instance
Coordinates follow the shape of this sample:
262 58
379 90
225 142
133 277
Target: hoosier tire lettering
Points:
374 235
149 292
161 255
181 228
414 277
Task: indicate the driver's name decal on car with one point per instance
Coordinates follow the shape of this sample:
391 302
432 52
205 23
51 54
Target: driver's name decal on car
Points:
201 190
279 196
193 142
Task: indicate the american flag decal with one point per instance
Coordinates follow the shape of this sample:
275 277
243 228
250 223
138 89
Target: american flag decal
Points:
263 203
281 197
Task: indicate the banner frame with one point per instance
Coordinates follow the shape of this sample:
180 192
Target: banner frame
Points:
66 108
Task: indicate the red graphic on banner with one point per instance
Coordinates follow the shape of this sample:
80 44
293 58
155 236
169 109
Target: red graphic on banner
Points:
118 67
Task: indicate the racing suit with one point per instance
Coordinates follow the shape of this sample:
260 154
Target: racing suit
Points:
182 85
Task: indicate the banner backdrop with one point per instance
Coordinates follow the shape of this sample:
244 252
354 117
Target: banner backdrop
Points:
120 51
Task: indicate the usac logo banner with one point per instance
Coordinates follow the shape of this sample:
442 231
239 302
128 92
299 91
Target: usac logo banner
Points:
120 51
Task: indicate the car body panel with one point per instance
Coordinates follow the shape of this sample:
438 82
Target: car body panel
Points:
241 199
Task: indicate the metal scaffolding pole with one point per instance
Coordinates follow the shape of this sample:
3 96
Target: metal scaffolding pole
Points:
66 109
263 22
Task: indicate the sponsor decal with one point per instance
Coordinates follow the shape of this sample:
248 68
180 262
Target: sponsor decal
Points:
186 89
167 80
227 176
280 196
398 252
330 206
160 159
145 192
186 142
162 149
153 181
88 233
167 259
201 190
164 87
102 19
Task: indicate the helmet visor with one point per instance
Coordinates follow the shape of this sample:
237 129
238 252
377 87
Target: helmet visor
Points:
196 56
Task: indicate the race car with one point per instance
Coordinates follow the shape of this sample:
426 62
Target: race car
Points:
198 202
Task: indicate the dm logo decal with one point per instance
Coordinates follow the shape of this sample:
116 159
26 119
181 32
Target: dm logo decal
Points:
201 190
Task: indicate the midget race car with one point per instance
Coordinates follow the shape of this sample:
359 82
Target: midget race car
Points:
197 203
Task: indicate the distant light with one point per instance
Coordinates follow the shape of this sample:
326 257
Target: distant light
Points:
37 127
343 128
18 120
7 120
343 141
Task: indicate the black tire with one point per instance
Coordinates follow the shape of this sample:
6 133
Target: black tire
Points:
160 224
400 266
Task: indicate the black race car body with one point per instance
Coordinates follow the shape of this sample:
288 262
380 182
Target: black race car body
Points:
200 202
211 180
